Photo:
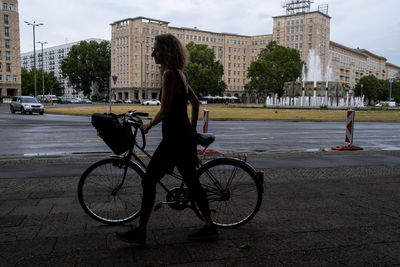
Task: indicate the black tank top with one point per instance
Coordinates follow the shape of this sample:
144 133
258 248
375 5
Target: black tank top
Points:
176 126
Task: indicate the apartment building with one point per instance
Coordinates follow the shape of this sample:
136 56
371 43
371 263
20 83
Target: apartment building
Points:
139 77
51 61
10 68
304 31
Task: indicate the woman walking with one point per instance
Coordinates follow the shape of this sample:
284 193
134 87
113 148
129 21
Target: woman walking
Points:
178 147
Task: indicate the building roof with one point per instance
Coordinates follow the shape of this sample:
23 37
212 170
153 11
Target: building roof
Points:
370 54
331 43
392 65
157 21
302 13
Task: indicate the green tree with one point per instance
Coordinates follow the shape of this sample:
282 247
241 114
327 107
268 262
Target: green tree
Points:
88 63
275 66
203 72
372 88
51 84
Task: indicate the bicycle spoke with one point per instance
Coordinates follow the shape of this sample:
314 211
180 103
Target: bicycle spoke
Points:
237 198
109 192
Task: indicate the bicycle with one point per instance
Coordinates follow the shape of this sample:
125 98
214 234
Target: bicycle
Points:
109 191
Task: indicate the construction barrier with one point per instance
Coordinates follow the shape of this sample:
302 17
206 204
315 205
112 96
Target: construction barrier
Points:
205 121
349 133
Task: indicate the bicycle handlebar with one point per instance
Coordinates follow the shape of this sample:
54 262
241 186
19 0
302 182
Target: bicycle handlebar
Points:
134 113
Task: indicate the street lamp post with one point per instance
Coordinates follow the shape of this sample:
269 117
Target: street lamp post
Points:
42 43
390 91
114 78
141 71
362 85
34 24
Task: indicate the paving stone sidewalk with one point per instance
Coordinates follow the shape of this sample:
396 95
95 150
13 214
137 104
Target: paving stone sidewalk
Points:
309 216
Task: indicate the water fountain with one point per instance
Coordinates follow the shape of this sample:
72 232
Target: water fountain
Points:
313 91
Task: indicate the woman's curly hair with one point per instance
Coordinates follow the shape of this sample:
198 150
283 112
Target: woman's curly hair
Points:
174 54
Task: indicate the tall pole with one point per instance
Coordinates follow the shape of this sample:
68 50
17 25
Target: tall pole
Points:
141 72
390 91
42 43
34 24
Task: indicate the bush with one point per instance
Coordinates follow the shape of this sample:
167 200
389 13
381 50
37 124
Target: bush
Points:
323 107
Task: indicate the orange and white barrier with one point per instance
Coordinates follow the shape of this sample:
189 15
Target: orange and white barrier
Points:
349 127
349 133
205 120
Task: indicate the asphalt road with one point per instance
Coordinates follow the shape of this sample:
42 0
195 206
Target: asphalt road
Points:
48 134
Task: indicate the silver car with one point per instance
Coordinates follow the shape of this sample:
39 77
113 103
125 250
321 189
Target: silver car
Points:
26 104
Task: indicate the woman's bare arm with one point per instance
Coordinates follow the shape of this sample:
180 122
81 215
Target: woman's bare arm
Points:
195 107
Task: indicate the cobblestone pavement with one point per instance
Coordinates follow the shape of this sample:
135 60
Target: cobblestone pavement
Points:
309 216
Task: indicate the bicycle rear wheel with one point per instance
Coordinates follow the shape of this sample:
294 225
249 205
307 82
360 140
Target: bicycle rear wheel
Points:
110 191
233 189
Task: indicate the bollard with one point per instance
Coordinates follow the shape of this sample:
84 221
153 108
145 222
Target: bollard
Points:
349 133
205 120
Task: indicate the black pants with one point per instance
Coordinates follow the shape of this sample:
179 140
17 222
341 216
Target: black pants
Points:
165 158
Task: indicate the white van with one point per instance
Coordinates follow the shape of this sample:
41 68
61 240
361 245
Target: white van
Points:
47 98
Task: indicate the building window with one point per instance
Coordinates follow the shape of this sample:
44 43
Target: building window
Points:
5 19
8 55
309 37
5 6
310 19
279 23
15 78
12 7
8 78
7 43
309 46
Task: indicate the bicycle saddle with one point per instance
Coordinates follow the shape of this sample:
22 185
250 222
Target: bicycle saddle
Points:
205 139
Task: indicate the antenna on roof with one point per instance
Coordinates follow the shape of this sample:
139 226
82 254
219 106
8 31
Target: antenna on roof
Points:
297 6
323 9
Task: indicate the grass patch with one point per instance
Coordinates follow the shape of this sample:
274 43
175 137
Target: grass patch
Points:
223 112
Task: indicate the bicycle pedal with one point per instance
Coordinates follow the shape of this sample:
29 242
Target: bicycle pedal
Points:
158 206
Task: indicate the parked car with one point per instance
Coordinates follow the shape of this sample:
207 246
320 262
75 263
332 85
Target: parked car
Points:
128 101
75 101
26 104
63 100
153 102
86 101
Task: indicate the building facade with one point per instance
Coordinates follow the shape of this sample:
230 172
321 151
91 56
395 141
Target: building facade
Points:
10 67
139 77
51 61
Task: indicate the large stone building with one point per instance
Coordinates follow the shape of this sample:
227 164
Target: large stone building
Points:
10 68
139 77
51 61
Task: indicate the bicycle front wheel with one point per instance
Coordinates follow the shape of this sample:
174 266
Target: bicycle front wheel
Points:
233 189
110 191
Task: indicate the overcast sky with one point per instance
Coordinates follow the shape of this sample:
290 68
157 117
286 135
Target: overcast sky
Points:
369 24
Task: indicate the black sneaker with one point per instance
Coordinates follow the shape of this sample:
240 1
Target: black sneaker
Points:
136 236
208 232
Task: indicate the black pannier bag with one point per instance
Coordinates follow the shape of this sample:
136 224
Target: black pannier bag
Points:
114 131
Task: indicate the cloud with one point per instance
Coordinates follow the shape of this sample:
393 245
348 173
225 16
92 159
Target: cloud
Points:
358 23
